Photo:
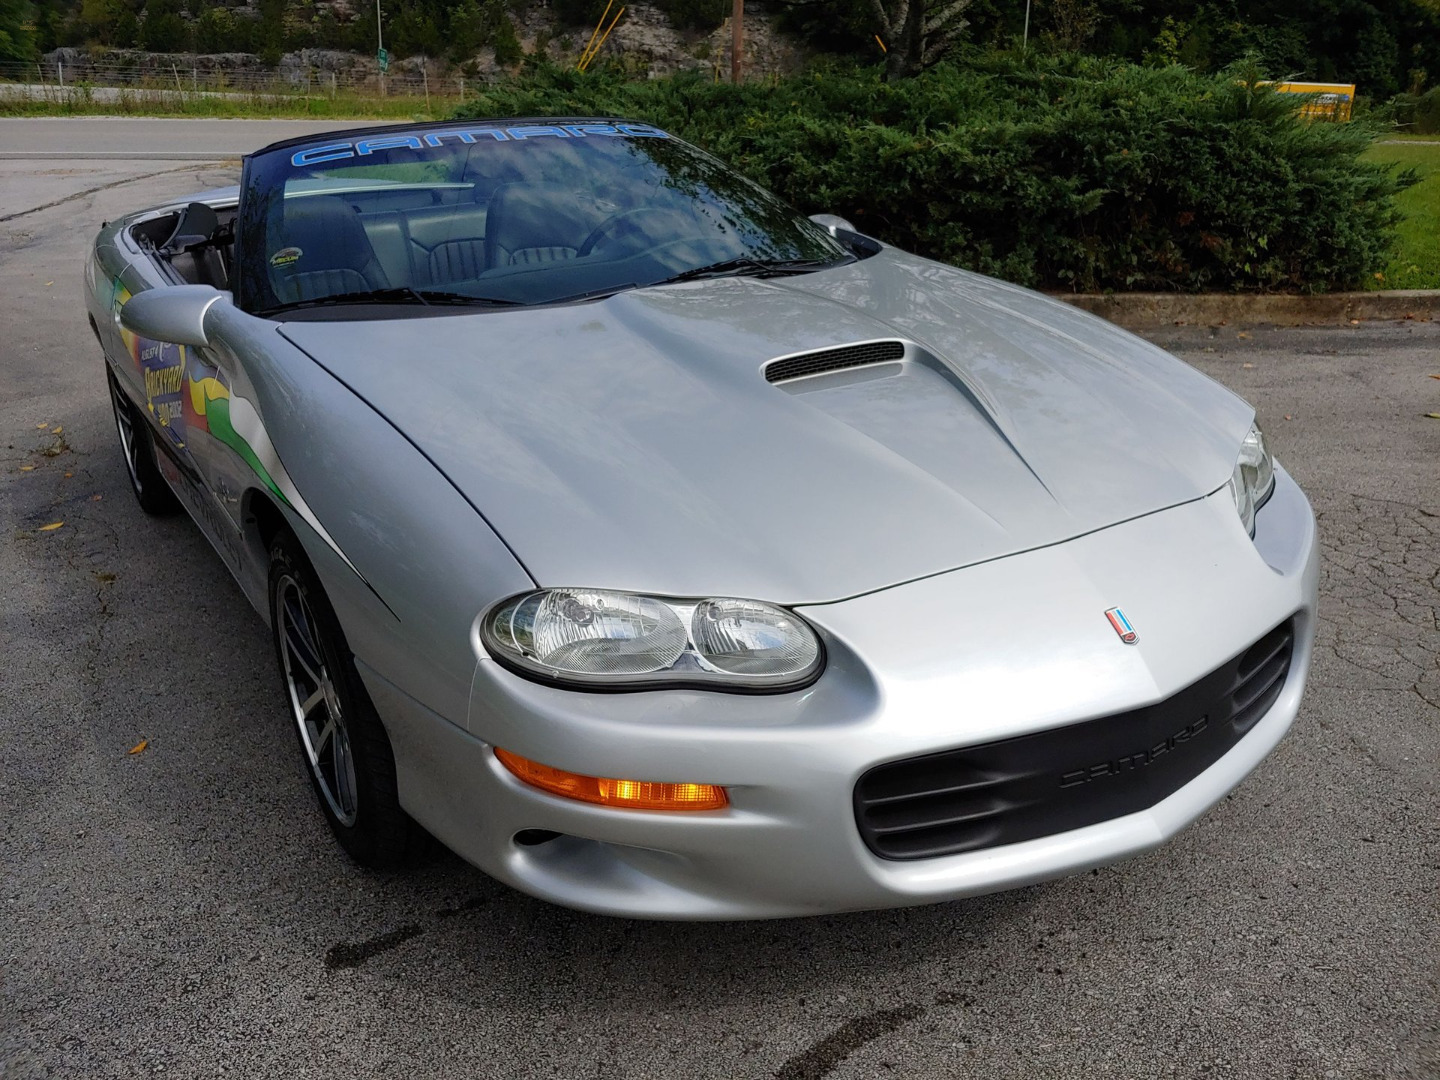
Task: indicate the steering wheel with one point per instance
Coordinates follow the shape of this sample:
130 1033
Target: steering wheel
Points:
614 220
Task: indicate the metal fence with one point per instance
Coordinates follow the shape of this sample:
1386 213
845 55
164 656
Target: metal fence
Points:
202 75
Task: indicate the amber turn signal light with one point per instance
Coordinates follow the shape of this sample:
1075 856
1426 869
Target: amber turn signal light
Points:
636 794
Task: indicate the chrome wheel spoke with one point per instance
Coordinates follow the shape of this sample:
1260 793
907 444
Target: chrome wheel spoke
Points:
308 705
302 647
324 737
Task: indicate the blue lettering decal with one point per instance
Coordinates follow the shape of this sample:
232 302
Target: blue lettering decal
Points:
642 131
393 142
316 154
532 132
466 136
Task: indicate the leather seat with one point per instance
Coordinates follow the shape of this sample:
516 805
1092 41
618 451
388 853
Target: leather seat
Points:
533 223
447 243
332 253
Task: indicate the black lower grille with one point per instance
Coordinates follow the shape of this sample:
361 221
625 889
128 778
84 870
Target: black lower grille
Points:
1066 778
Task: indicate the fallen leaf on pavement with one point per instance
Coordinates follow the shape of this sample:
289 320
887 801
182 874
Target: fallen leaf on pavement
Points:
1241 334
57 430
138 747
41 427
96 498
49 283
1432 416
1288 418
52 526
68 475
1247 366
27 468
1435 376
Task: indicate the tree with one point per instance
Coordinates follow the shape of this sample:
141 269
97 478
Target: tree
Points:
163 29
215 31
918 33
17 35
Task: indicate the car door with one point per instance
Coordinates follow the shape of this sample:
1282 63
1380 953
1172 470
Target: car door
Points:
174 387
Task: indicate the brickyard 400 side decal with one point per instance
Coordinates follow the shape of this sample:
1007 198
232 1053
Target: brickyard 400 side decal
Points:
189 397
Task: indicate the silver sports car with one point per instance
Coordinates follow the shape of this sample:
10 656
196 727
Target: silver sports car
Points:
667 553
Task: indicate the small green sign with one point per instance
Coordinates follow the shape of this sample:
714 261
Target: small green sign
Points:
384 58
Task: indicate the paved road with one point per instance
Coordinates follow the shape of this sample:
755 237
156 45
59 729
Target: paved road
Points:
127 138
183 909
45 161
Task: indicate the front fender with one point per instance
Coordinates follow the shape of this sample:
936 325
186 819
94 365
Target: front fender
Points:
406 561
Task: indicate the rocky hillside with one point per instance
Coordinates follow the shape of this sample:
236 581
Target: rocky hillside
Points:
644 41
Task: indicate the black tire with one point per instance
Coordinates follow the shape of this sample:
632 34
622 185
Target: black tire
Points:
151 491
323 692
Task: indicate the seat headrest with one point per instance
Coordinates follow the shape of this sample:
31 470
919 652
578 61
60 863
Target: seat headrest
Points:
327 233
532 216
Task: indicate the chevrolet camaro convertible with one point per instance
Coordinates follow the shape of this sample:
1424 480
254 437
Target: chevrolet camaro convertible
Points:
667 553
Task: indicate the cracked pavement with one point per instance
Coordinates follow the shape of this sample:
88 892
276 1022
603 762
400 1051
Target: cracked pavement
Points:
182 911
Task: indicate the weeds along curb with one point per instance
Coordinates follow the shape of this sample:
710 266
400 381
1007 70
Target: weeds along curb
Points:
1149 310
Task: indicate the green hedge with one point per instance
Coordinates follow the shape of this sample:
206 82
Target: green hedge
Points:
1415 114
1069 172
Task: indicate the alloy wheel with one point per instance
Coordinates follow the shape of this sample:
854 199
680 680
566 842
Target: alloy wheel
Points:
125 425
315 703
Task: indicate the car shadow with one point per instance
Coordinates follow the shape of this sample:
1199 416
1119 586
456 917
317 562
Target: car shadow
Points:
461 941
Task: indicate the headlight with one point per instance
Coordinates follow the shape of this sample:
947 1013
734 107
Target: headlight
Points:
601 639
1254 477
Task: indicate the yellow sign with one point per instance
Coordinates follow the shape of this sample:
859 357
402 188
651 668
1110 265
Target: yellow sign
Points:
1333 101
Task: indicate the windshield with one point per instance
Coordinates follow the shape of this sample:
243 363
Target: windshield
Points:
504 214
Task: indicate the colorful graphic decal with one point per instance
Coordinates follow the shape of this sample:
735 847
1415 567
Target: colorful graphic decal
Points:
208 401
162 370
189 397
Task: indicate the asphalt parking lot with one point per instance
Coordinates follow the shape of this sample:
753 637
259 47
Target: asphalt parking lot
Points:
183 912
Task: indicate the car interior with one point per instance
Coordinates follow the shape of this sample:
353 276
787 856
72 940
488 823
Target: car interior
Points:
196 242
361 237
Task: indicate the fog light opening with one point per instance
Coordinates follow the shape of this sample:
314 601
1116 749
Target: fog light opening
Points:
535 837
633 794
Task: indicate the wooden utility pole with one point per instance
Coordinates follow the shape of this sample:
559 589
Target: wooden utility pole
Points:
737 42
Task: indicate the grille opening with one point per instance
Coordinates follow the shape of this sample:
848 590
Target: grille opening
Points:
1066 778
535 837
838 359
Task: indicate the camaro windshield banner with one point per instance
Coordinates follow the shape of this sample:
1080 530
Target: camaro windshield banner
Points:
339 151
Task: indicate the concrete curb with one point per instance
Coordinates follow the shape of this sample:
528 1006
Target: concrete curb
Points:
1140 311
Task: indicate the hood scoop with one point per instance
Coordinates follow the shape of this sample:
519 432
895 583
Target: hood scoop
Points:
860 354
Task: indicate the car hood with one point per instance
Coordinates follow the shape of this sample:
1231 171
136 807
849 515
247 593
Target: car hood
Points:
635 443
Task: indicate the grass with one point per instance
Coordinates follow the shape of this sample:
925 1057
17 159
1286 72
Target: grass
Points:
343 106
1415 262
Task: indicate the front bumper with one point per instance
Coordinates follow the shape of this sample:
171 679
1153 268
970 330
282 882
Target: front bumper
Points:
976 655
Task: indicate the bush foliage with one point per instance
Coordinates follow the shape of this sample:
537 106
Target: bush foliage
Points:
1416 114
1069 172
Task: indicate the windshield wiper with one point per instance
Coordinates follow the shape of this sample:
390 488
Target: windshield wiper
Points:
402 295
748 267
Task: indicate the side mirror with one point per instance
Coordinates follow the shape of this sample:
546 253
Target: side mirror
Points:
171 313
832 223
